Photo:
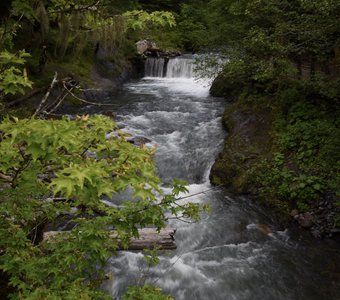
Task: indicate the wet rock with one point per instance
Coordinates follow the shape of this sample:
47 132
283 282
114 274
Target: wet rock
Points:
264 228
147 48
121 125
91 154
248 141
138 140
144 45
316 233
110 114
324 213
306 220
294 212
111 135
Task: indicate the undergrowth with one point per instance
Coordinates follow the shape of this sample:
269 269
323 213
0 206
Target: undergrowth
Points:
305 164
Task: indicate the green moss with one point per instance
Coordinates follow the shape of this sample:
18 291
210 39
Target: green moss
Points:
219 88
248 141
287 157
216 180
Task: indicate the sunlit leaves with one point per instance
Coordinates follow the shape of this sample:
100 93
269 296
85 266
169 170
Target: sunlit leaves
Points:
140 20
23 8
13 79
179 186
146 292
46 175
10 58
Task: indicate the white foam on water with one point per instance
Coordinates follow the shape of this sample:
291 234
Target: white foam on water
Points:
187 272
169 142
179 86
208 127
167 114
198 191
140 120
189 87
228 246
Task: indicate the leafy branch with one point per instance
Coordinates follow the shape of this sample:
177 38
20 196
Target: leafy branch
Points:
32 149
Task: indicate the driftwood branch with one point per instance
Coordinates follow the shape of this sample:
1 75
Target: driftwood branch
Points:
51 108
6 177
83 100
46 107
148 238
43 101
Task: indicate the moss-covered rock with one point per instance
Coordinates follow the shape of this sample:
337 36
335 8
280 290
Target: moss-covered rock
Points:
219 88
249 140
233 81
223 86
285 158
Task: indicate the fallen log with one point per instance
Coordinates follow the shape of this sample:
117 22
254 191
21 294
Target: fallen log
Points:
149 238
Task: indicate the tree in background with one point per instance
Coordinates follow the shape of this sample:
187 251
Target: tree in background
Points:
270 42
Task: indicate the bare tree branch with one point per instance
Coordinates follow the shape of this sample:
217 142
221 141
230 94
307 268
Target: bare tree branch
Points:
5 177
43 101
82 100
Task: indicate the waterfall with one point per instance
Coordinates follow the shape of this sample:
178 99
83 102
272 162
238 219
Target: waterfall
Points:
179 67
154 67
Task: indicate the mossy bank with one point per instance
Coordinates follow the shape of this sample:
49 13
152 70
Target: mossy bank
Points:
284 153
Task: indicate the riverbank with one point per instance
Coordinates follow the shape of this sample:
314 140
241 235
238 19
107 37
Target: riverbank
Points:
91 78
285 156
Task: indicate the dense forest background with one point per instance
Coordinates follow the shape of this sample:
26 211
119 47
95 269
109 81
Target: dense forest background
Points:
278 61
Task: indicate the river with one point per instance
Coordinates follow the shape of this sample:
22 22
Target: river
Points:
226 255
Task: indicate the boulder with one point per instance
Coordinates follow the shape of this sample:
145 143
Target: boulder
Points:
306 220
144 45
138 140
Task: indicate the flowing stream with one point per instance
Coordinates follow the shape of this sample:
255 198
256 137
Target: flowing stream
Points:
237 252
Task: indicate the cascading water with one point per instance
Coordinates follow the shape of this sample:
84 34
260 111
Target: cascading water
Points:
227 255
179 67
171 68
154 67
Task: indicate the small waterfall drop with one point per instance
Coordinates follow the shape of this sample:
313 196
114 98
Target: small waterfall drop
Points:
179 67
154 67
